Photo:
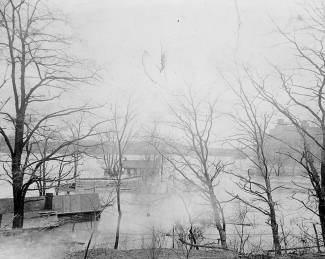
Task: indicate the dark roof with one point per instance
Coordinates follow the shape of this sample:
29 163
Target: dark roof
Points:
138 164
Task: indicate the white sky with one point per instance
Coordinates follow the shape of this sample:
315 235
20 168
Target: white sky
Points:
198 37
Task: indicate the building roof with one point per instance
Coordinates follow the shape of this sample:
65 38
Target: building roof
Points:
288 134
138 164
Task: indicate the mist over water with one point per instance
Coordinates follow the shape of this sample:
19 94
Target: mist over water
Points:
159 206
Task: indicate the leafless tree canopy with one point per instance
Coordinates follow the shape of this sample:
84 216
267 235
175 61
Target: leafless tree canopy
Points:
38 72
252 142
188 151
301 102
114 142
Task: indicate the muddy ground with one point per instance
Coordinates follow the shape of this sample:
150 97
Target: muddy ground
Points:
151 254
178 254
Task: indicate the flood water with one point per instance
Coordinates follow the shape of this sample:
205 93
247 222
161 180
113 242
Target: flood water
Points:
157 208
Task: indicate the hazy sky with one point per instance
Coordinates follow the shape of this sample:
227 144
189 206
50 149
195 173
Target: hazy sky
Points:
198 39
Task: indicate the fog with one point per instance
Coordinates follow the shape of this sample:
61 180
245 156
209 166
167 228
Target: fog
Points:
136 62
198 38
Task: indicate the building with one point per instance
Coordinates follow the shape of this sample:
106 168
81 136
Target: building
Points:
285 136
284 141
136 168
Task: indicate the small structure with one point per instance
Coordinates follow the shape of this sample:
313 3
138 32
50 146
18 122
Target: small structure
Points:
141 168
86 206
136 168
81 207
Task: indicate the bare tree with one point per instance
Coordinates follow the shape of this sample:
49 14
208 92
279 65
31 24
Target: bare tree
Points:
47 178
252 143
286 234
114 143
302 101
64 172
79 150
158 242
153 156
240 225
39 72
188 238
64 169
2 83
189 152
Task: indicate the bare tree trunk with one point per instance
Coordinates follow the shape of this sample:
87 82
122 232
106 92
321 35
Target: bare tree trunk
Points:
272 214
321 209
44 180
321 198
192 238
18 219
219 222
39 182
19 197
223 237
18 177
75 168
242 243
275 231
117 234
57 189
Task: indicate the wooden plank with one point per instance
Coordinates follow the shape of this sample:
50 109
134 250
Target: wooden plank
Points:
58 203
66 203
89 202
75 203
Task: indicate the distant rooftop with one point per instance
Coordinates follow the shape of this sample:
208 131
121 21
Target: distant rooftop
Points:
286 129
285 136
138 164
133 148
